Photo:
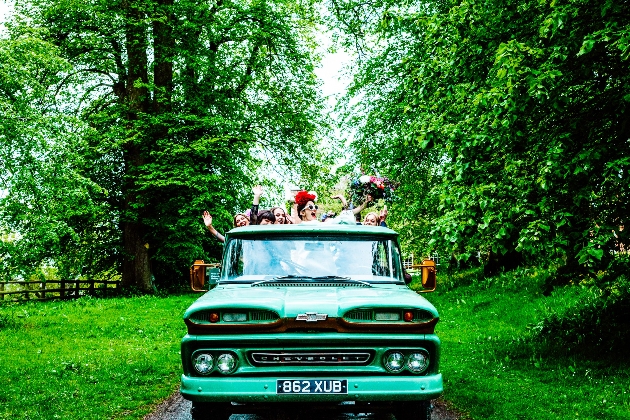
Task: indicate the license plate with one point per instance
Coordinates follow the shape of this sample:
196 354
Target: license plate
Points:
312 386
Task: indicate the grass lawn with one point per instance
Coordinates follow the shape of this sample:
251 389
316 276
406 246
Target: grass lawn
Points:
89 358
117 358
493 367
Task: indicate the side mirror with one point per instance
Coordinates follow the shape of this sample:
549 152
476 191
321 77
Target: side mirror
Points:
202 273
429 281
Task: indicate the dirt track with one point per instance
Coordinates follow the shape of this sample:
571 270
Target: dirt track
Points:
177 408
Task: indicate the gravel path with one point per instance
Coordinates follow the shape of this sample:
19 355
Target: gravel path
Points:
177 408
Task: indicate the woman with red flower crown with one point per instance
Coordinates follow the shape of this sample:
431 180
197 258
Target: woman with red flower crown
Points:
304 208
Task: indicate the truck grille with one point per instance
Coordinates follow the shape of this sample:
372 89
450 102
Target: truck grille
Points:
271 358
419 315
310 284
203 317
360 315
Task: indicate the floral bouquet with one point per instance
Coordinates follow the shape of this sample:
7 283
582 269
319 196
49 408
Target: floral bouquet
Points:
377 187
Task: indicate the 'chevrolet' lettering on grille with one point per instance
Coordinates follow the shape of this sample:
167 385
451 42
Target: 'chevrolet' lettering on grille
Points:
311 317
308 358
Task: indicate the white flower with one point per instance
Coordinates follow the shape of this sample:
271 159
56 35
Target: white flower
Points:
365 179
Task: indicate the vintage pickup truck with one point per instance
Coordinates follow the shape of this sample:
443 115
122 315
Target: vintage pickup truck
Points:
311 317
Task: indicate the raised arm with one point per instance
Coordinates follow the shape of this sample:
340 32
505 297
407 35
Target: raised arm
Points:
207 220
383 216
253 215
344 203
363 205
295 218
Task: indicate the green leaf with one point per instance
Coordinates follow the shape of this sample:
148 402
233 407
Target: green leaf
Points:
597 253
587 46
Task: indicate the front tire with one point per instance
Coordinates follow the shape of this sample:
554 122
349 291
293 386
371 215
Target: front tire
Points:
210 411
414 411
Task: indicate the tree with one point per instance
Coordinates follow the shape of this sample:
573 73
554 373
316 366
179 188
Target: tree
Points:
182 99
522 109
42 169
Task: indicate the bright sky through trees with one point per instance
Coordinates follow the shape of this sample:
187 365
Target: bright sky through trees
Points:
5 11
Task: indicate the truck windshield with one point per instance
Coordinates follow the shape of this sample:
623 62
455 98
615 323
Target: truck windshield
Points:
364 259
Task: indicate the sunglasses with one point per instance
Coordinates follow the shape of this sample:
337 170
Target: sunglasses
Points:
311 207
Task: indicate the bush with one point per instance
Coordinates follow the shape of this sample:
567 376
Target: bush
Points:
599 321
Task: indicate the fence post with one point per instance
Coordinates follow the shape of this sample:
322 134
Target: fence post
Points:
27 295
91 287
77 287
2 290
62 289
42 286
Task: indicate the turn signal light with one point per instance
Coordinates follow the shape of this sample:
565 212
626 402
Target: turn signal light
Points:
408 316
214 317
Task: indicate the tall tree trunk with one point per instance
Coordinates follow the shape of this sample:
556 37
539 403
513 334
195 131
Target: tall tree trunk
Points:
163 46
136 267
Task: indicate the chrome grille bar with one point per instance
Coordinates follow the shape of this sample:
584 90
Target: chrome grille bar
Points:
310 284
310 358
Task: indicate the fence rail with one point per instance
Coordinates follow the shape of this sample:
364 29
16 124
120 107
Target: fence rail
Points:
408 263
61 289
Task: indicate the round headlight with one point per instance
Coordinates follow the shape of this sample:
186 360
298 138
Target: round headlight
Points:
394 361
226 363
203 363
418 361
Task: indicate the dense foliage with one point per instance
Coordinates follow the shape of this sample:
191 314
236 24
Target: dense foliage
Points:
42 168
505 125
175 106
508 122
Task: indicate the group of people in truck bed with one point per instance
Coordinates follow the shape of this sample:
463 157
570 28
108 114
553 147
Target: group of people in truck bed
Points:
303 210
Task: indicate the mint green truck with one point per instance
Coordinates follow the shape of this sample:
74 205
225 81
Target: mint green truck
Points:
311 317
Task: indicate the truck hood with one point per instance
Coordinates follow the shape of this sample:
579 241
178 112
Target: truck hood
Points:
288 302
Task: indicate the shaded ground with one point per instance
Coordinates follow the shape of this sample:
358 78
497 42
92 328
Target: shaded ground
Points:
177 408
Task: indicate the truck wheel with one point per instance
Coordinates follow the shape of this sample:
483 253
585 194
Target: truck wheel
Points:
414 411
210 411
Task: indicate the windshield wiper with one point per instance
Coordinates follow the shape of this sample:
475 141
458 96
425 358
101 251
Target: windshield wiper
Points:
290 277
311 279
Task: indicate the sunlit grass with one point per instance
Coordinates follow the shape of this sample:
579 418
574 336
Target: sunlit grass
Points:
89 358
116 358
493 366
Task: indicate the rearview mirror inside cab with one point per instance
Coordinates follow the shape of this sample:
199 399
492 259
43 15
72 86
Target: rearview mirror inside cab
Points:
202 274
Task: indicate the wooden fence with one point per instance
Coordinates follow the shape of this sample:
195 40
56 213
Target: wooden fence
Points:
56 289
409 264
